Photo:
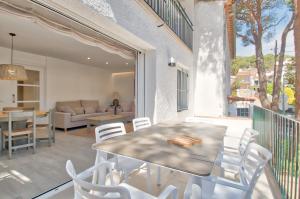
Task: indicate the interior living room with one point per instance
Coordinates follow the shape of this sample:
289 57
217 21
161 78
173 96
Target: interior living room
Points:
77 72
74 77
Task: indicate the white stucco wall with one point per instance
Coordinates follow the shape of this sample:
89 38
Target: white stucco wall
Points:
134 23
211 59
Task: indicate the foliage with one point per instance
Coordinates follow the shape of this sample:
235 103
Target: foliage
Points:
236 84
249 62
290 74
257 16
290 92
270 88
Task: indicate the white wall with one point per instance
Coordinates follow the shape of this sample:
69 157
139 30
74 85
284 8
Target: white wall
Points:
60 80
72 81
211 60
123 83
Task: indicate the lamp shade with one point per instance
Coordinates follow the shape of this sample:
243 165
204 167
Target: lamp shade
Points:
12 72
116 95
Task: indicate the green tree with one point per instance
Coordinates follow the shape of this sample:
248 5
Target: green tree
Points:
255 21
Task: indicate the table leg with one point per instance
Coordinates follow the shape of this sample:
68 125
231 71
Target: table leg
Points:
89 127
158 177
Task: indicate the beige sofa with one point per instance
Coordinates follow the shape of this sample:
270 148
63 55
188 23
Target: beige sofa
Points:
70 114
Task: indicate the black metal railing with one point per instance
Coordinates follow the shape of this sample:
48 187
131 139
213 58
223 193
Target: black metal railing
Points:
174 15
281 135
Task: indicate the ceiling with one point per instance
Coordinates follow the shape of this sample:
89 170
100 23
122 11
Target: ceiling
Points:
34 38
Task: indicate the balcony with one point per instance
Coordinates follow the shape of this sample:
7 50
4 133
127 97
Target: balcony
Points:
174 15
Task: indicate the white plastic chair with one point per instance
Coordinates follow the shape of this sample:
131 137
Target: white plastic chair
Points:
123 164
84 189
140 123
255 159
229 158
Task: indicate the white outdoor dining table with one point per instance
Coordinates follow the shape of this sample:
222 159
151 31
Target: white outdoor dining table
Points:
150 145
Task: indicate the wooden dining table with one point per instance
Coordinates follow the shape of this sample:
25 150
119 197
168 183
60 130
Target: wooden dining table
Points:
151 145
4 115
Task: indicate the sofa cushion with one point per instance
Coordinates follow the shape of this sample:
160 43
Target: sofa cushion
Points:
90 106
67 109
89 110
71 104
76 118
79 110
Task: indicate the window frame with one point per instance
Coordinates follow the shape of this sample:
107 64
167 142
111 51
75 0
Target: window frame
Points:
182 89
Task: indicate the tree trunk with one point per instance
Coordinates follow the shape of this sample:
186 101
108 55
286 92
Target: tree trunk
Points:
262 78
297 56
277 82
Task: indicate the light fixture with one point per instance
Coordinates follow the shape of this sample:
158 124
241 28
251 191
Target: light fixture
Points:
126 63
106 62
116 95
11 71
88 58
172 62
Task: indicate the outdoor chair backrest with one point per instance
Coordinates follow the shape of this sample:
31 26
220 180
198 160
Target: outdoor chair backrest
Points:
107 131
84 189
255 159
140 123
248 136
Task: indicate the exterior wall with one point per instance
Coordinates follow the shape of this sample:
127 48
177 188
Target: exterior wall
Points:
211 59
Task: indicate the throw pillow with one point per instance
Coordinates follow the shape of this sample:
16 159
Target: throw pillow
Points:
79 110
67 109
90 109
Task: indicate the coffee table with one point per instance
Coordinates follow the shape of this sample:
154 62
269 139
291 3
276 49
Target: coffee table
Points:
103 119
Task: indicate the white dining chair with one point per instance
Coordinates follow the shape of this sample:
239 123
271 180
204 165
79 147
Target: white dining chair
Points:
123 164
84 189
13 134
255 159
229 158
140 123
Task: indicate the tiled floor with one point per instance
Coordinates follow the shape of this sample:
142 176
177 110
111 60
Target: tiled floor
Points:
27 175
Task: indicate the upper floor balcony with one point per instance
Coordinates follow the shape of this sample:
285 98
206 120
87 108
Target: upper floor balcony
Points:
174 15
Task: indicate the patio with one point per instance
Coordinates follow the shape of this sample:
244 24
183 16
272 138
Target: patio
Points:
27 175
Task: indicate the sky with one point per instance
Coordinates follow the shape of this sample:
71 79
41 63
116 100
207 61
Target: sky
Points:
268 47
